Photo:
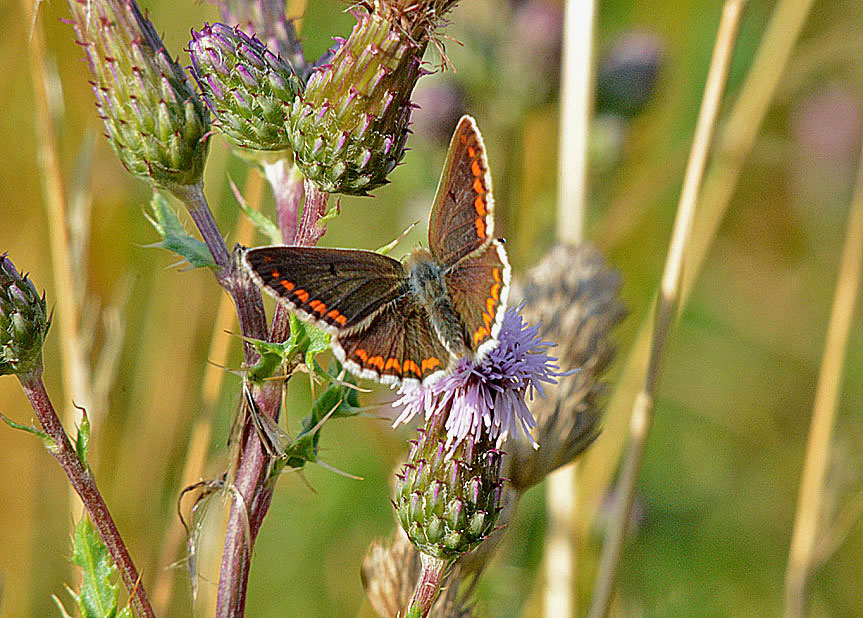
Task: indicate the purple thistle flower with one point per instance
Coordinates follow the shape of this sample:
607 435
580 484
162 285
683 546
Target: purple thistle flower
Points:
490 393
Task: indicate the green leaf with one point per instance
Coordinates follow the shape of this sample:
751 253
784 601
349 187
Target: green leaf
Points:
305 339
264 224
174 235
49 442
82 440
98 595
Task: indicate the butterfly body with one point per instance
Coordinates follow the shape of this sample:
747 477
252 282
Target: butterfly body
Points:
406 322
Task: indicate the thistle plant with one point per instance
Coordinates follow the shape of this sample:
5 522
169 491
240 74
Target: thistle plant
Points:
350 125
153 118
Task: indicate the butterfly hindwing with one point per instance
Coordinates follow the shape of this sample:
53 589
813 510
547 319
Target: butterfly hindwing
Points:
461 218
337 289
478 286
398 345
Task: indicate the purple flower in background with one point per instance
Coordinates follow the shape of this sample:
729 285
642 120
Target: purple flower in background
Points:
491 393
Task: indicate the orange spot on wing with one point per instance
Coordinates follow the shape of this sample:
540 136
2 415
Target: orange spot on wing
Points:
475 168
489 306
477 186
411 366
480 334
480 227
377 361
318 307
430 363
287 285
337 316
394 363
479 205
471 151
495 291
361 354
302 295
495 274
487 320
464 139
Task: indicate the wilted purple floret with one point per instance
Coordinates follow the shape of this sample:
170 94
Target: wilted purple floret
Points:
489 394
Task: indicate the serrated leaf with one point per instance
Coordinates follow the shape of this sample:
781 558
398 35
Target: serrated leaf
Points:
175 238
305 339
98 595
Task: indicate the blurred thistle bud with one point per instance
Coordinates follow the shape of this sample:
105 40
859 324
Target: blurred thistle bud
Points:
390 571
573 294
24 321
155 122
627 75
266 20
440 103
247 88
349 127
447 498
532 59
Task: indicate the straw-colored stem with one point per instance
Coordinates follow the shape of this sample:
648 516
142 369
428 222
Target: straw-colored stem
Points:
733 145
561 548
666 307
802 556
76 374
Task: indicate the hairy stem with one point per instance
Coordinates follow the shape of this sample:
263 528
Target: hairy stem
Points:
426 591
85 486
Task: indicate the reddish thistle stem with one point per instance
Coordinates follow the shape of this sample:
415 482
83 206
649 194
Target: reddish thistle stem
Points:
426 591
85 486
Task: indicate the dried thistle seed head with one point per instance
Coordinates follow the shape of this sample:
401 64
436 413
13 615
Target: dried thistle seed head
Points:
573 293
247 87
349 127
24 322
448 498
155 122
390 571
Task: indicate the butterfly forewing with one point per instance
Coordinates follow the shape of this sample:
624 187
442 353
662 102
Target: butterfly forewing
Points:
461 217
338 289
398 345
478 286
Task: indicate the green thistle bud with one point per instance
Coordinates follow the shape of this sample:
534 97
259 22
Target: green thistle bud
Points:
349 127
448 498
24 321
247 87
155 122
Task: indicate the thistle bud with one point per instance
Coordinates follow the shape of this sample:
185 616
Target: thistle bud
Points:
247 88
448 498
155 122
24 321
573 294
349 127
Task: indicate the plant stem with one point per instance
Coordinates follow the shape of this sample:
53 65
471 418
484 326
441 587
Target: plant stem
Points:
801 557
287 184
426 591
252 482
561 547
733 145
84 484
666 307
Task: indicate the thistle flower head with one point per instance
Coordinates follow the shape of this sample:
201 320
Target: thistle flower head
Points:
488 396
24 322
155 122
247 87
350 125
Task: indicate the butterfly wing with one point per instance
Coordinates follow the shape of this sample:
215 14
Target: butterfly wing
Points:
399 345
478 286
461 219
339 290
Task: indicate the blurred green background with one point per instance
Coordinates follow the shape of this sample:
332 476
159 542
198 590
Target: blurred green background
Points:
718 489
